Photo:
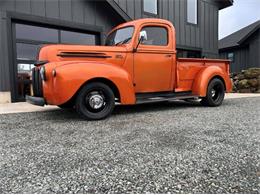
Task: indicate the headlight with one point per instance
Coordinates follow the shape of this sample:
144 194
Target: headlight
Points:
42 73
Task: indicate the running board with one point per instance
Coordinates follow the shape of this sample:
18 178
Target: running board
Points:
154 100
162 97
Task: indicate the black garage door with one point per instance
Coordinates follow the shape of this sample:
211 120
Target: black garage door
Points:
28 38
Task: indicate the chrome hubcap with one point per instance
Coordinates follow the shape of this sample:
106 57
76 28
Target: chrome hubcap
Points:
213 92
96 101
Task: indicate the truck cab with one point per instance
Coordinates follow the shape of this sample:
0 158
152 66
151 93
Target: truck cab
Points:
137 64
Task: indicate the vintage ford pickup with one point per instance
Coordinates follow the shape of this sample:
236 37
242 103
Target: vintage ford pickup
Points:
138 64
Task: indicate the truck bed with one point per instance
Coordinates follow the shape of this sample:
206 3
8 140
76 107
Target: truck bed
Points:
189 68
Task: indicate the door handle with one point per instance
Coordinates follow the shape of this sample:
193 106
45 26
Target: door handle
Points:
168 56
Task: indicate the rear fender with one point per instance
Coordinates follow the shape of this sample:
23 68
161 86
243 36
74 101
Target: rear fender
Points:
71 77
201 82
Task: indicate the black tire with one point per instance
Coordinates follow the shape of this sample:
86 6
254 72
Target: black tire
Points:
95 101
215 93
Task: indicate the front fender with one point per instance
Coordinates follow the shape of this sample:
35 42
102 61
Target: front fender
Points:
203 78
72 76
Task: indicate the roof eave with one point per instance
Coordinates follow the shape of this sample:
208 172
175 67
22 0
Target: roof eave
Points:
223 49
249 34
121 12
224 3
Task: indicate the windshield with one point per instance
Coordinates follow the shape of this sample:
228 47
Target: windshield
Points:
120 36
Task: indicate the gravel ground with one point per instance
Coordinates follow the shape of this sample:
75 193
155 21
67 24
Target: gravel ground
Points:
167 147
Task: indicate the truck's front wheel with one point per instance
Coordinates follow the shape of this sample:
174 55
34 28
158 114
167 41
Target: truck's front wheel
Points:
95 101
215 93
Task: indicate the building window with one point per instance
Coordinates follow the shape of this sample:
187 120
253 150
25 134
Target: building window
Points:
151 6
231 56
27 51
156 36
192 11
37 33
70 37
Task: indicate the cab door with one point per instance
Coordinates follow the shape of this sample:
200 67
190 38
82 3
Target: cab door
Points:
153 60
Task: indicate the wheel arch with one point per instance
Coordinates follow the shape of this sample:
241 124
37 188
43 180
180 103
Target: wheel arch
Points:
200 84
105 81
70 79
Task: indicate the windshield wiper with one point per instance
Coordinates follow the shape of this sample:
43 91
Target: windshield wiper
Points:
124 41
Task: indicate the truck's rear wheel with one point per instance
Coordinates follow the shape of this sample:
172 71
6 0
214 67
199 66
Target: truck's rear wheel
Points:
215 93
95 101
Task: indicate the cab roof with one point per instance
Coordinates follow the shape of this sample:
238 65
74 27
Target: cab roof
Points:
143 21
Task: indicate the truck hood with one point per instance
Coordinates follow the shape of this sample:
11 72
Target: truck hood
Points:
104 54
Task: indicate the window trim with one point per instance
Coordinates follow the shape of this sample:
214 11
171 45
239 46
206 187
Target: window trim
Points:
186 15
149 13
157 26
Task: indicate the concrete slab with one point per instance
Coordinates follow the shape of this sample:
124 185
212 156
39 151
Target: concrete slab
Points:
5 97
23 107
241 95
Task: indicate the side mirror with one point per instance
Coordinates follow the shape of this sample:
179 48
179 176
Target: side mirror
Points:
142 37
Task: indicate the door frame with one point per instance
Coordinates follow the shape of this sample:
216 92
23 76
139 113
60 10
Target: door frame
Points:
13 17
157 49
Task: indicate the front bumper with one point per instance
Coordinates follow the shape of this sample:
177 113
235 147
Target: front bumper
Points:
38 101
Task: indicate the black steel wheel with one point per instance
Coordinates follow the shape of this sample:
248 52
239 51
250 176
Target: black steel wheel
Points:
215 93
95 101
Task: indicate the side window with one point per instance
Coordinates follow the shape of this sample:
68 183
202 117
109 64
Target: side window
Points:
156 36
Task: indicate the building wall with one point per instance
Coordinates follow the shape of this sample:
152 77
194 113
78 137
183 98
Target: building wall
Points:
81 13
241 58
254 49
245 56
203 36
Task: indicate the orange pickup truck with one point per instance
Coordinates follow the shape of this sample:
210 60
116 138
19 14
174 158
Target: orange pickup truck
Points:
138 64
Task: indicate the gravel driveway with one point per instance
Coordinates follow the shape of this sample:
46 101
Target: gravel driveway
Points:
172 147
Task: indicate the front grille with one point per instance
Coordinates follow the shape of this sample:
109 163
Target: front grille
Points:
37 82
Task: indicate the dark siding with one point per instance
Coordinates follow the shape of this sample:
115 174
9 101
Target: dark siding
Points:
4 68
138 9
177 21
52 9
65 9
38 8
89 13
82 12
78 7
247 55
23 5
131 8
254 49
